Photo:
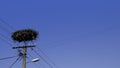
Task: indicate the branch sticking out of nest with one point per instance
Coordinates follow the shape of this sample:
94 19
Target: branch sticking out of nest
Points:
24 35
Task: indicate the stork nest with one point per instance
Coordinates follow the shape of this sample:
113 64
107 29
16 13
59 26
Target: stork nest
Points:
24 35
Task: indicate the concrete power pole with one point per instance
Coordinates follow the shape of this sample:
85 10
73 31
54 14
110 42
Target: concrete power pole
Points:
24 53
24 57
26 35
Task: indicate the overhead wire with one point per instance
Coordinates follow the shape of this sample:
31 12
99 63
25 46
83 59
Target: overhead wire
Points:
14 62
7 58
33 62
5 41
47 57
4 22
4 38
42 58
6 29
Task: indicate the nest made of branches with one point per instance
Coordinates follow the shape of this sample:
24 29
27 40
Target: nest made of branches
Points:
24 35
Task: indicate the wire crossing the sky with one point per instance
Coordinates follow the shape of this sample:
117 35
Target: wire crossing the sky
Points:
8 58
33 62
43 58
47 57
14 62
4 22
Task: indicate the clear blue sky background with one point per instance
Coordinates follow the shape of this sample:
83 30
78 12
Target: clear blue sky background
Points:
73 33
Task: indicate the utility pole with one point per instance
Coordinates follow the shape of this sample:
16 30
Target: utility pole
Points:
25 36
24 53
24 57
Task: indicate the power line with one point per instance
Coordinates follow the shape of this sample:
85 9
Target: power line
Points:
33 62
4 22
3 37
14 62
5 29
5 41
7 58
43 58
47 57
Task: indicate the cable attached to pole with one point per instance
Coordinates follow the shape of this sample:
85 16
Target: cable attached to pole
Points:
7 58
33 62
47 57
43 59
14 62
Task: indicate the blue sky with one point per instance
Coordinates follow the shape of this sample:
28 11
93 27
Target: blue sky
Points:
73 33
